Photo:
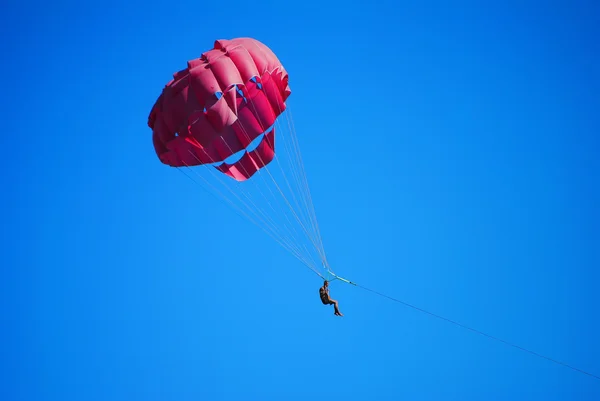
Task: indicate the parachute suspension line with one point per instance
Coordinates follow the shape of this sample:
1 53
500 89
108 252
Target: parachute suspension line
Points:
303 184
294 174
242 213
256 208
306 215
296 242
297 203
294 168
273 180
267 201
237 209
269 229
264 218
288 204
261 210
302 170
319 250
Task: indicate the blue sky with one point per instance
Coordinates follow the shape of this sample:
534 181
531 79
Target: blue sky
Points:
452 155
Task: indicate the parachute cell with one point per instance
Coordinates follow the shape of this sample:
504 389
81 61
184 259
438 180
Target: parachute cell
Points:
222 102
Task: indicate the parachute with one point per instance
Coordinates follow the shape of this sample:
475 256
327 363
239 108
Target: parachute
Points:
225 112
218 105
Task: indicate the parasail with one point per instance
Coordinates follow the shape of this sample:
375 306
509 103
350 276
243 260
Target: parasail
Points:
226 112
218 105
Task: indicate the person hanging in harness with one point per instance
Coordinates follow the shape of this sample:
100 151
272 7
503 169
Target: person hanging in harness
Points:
324 294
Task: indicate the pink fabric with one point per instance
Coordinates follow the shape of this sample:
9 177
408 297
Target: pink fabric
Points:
192 126
252 161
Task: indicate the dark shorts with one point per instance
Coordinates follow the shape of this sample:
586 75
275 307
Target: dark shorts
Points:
326 301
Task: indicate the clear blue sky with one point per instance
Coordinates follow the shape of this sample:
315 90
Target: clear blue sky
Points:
452 153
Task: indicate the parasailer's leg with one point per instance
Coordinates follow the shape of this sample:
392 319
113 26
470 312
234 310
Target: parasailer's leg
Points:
335 307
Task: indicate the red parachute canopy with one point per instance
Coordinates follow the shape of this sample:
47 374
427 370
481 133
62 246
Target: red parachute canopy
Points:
218 105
